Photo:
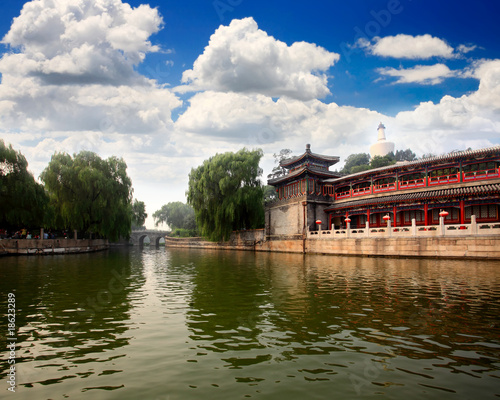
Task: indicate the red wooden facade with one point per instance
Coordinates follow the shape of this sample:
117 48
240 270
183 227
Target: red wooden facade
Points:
462 183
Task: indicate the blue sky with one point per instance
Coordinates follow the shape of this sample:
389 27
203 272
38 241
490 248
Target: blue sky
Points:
166 85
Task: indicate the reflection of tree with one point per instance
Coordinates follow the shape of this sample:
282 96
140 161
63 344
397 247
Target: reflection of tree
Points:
71 307
225 309
295 306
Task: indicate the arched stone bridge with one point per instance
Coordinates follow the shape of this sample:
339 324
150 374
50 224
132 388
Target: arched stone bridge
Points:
137 237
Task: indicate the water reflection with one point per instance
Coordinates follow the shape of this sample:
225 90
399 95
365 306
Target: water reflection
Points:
71 313
184 324
391 311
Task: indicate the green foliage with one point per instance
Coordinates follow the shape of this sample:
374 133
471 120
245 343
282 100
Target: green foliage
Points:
226 194
181 232
428 155
23 201
269 193
90 194
278 158
361 161
356 160
360 168
378 161
177 215
139 214
405 155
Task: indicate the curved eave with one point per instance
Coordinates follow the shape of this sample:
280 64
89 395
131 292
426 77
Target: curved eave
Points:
428 195
417 163
328 159
302 171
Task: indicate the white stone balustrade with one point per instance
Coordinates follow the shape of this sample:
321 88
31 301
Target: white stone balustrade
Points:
472 229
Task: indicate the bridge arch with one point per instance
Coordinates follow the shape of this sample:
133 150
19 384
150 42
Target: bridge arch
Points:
137 237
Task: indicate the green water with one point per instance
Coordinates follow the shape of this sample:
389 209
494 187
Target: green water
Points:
200 324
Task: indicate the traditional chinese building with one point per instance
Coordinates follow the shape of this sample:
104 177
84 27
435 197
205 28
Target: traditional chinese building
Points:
300 198
462 183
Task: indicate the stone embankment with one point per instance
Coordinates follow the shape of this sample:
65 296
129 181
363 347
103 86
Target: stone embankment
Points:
51 246
479 246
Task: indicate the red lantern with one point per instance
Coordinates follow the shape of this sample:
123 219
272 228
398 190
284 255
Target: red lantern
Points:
443 213
386 217
347 220
318 221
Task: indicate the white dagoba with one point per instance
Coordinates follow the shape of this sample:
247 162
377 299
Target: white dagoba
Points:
382 146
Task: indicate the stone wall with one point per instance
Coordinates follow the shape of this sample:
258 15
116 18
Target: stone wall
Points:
487 247
479 247
51 246
239 240
315 212
286 217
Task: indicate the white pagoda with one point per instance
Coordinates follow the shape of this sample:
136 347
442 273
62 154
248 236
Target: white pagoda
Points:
382 146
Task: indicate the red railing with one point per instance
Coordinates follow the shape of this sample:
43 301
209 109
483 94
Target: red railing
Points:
478 175
412 183
441 180
385 187
342 195
361 191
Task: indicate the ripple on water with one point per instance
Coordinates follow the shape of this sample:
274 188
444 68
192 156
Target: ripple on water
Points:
197 324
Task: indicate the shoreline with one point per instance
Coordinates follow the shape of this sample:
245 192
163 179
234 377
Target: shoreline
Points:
483 247
19 247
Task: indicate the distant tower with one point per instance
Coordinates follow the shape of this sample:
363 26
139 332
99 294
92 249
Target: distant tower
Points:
382 146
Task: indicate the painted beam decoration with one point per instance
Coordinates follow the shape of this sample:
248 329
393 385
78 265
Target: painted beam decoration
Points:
454 186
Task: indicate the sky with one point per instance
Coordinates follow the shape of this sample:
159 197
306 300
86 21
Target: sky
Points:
168 84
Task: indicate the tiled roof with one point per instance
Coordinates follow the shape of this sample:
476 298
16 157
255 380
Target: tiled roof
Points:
423 161
299 171
415 196
329 159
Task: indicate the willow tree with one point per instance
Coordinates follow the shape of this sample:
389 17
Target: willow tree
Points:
23 201
226 194
90 194
176 214
139 214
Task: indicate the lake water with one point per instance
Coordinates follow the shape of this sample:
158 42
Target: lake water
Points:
200 324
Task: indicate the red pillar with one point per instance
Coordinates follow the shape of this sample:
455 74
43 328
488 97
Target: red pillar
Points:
394 213
426 212
462 212
368 216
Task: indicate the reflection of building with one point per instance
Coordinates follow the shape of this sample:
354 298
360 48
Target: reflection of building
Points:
382 147
462 183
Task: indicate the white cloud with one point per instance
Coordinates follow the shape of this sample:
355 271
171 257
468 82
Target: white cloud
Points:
236 120
242 58
467 121
424 74
82 41
71 84
464 48
74 69
407 46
